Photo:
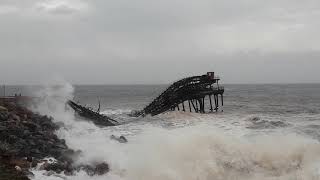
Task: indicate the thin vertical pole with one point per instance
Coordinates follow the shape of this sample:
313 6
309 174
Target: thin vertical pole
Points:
194 107
203 104
200 104
197 105
211 109
222 99
189 105
178 107
215 102
183 109
217 105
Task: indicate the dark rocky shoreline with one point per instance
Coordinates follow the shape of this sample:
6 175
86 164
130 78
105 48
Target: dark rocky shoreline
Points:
26 138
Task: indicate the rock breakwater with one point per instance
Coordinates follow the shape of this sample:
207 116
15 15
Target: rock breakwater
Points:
27 138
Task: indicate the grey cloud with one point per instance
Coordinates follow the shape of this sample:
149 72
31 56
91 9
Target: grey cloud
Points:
93 41
61 6
61 9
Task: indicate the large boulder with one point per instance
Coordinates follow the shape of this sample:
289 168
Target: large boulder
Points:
4 116
101 169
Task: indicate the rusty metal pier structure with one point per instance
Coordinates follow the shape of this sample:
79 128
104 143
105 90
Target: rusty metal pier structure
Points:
188 94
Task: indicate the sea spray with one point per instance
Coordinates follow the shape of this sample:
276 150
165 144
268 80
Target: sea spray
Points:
79 135
53 97
207 153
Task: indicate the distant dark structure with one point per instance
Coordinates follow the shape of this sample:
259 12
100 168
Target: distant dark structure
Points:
95 117
192 90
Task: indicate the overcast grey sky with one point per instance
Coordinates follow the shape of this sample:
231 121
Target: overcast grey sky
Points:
159 41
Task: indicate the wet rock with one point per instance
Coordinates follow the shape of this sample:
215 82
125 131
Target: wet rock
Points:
49 173
32 126
60 124
2 128
18 168
22 163
26 134
15 117
34 163
28 173
10 173
12 138
101 169
56 167
120 139
36 152
3 109
61 145
3 116
31 142
88 169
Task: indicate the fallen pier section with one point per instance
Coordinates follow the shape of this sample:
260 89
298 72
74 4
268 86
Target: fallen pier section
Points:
95 117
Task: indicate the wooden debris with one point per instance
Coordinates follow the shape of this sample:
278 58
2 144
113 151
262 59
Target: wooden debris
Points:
95 117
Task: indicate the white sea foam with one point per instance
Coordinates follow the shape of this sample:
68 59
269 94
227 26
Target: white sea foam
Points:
202 152
184 146
116 111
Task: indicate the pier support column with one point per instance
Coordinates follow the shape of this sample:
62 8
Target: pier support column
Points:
211 109
200 105
215 102
189 105
197 106
204 111
194 107
222 99
183 109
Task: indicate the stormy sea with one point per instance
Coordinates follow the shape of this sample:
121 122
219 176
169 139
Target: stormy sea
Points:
263 132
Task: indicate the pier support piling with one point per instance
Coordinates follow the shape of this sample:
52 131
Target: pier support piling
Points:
211 109
189 105
183 109
222 99
194 107
216 103
197 106
204 111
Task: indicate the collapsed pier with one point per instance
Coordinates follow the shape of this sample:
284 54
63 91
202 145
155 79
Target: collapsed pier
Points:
188 94
94 116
